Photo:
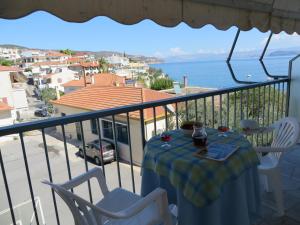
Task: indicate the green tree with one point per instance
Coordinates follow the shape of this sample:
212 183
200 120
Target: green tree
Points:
67 51
28 70
48 95
4 62
161 84
103 65
132 60
264 104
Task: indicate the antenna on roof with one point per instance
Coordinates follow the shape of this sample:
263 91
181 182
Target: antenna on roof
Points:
84 76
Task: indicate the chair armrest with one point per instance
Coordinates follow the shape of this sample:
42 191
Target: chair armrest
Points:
270 149
158 196
259 130
82 202
93 173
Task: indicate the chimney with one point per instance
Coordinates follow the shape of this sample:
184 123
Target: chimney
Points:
92 79
185 81
57 93
84 76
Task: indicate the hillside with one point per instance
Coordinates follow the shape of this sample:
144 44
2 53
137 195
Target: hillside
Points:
12 46
98 54
283 53
147 59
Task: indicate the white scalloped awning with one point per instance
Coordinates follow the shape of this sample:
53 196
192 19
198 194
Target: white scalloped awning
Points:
274 15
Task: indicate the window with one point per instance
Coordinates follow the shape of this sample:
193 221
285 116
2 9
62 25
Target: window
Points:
94 126
107 129
121 130
78 131
122 135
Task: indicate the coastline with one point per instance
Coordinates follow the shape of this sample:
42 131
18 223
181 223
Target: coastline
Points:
216 74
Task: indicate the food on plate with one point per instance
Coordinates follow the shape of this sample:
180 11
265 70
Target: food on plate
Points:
223 128
165 137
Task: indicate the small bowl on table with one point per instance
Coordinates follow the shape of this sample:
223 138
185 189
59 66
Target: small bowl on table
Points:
187 128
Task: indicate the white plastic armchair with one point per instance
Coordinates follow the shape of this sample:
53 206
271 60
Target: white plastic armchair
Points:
117 207
286 135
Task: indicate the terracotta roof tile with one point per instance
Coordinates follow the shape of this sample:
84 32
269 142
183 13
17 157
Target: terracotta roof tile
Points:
75 60
9 68
101 79
56 54
49 63
89 64
4 107
97 98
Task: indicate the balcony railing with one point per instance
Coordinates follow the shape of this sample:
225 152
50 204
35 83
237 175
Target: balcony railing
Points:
265 102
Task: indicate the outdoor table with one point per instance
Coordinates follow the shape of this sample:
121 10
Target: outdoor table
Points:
206 192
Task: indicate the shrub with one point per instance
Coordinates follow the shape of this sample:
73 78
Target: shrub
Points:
161 84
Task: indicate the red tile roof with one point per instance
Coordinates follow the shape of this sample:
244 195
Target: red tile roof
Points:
89 64
75 60
97 98
9 68
50 63
4 107
56 54
101 79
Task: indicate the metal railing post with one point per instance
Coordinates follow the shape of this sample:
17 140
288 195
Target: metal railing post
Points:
29 178
7 190
50 175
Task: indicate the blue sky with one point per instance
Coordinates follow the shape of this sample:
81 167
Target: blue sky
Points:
42 30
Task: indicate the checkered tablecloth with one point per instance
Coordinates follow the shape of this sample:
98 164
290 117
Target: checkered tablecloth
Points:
200 180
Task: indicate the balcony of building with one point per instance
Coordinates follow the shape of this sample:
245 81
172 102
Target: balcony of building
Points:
45 150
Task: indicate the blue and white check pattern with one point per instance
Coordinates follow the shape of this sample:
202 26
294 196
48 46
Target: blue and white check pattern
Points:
201 180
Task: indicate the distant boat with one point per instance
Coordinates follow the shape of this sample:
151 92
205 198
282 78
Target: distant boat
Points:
249 75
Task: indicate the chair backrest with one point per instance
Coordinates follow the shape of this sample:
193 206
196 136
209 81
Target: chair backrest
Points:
81 210
286 134
85 213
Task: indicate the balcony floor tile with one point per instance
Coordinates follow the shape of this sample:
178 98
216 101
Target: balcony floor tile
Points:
290 168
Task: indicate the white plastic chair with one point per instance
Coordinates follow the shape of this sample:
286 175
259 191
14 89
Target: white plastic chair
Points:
286 135
117 207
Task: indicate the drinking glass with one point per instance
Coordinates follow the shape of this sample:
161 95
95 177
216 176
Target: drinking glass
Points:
165 138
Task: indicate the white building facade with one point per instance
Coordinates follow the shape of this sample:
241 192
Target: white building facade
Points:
12 95
11 54
117 60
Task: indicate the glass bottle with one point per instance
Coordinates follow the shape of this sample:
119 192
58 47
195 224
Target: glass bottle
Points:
199 134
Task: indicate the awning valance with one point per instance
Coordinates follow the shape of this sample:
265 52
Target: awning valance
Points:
274 15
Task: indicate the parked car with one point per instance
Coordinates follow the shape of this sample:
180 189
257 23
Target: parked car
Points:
93 151
42 112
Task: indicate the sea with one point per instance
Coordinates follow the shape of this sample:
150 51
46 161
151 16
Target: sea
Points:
216 74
